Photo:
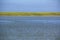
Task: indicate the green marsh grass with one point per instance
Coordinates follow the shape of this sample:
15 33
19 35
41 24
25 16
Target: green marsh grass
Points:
29 13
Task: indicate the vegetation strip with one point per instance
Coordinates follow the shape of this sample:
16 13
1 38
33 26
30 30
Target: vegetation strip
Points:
29 13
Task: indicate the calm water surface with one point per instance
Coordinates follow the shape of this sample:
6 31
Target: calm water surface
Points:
29 28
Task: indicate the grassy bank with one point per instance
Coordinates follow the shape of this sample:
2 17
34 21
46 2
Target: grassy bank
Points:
29 13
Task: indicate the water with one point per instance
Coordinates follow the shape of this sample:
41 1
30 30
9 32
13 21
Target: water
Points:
29 28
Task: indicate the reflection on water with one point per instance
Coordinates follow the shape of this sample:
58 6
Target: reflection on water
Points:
30 28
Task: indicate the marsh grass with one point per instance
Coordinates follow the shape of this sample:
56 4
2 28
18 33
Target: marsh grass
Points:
29 13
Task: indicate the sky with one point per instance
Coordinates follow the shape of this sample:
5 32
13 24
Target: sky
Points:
30 5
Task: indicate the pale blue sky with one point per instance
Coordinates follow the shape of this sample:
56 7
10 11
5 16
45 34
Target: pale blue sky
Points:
30 5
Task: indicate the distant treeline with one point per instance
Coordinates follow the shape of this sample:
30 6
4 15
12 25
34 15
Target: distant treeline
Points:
29 13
